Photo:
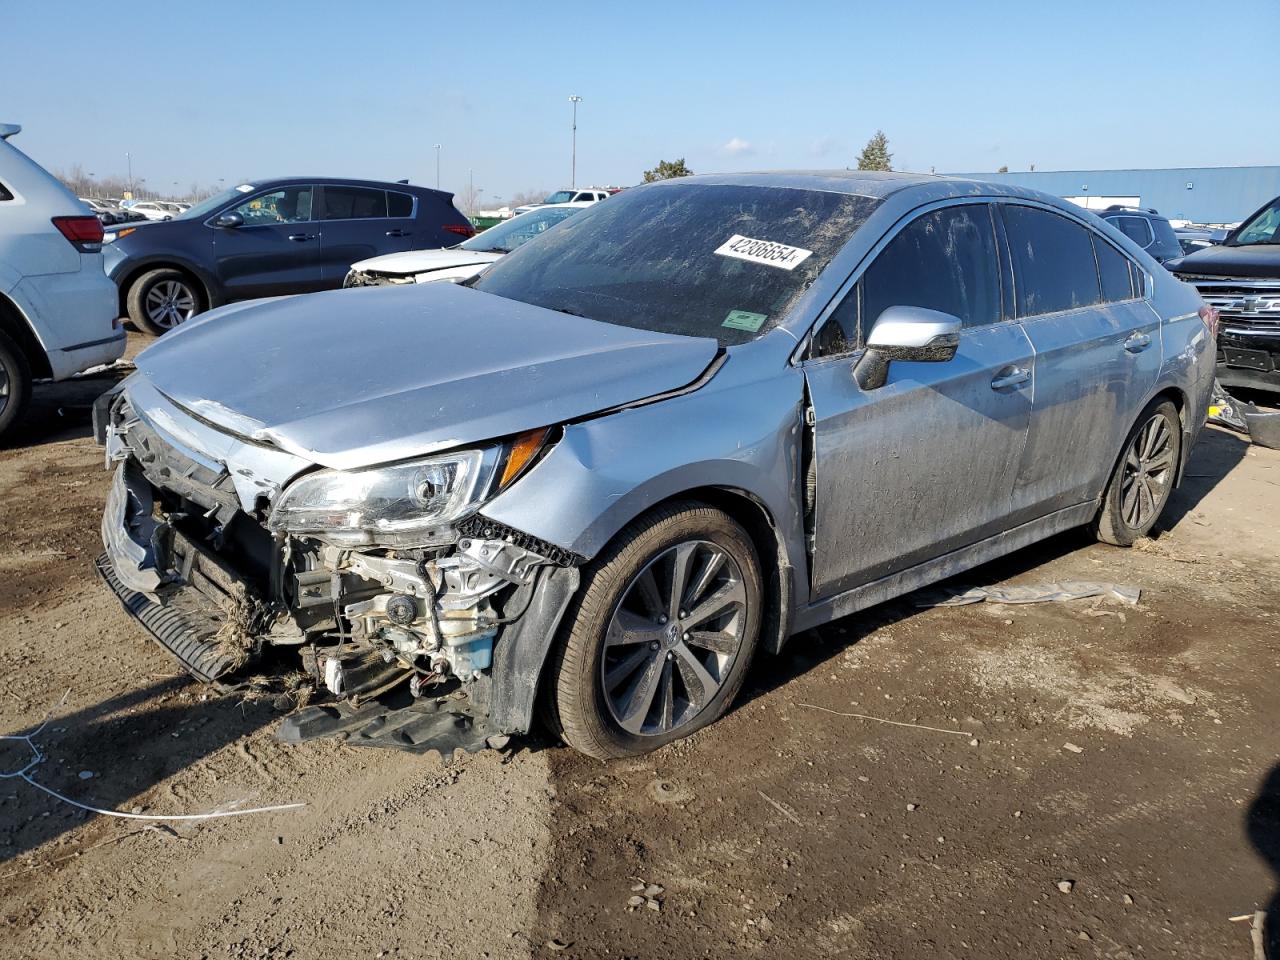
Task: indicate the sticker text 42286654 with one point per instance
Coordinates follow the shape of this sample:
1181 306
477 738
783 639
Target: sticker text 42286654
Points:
767 252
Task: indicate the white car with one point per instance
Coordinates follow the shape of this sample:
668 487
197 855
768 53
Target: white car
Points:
58 308
464 260
152 210
588 196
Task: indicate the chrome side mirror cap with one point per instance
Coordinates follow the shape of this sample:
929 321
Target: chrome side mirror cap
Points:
906 333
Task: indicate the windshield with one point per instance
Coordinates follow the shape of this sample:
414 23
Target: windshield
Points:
206 207
505 237
560 196
1261 228
701 260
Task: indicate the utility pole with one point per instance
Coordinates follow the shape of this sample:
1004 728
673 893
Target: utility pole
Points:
437 166
128 158
573 156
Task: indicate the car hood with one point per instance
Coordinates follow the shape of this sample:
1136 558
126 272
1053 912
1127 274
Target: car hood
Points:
1256 260
358 377
422 261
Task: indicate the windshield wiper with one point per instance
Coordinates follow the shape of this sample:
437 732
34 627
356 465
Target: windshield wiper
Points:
572 313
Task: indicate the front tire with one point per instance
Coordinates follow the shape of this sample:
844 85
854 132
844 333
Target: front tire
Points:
15 385
160 300
660 637
1142 481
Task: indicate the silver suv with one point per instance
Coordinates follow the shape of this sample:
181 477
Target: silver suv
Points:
665 435
57 307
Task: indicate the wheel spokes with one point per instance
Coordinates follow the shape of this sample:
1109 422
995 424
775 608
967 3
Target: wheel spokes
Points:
728 597
657 670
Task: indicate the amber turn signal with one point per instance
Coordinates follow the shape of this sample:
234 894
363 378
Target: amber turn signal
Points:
523 449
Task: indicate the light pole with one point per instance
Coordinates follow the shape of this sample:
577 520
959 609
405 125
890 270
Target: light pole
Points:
128 159
573 156
437 166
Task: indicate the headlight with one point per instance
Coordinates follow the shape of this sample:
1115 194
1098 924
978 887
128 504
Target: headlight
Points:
111 236
386 506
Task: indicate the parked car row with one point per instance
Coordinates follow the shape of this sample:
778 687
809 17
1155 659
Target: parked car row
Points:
267 238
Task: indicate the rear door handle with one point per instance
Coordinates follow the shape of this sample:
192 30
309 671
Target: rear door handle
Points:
1010 377
1137 343
301 237
399 233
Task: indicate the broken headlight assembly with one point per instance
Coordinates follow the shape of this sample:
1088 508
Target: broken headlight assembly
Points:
399 505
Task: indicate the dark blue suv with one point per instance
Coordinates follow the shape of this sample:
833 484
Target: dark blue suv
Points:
268 238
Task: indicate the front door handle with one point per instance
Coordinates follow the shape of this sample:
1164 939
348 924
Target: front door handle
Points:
1137 343
1010 377
301 237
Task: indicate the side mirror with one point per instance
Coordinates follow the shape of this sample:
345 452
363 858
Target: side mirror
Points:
229 220
906 333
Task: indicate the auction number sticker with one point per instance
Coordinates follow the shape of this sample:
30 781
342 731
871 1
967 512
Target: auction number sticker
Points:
764 251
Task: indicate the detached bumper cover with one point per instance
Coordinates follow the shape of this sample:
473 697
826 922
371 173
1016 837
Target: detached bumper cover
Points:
183 631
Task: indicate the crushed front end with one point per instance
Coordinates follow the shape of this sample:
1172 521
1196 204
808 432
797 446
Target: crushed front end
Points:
413 621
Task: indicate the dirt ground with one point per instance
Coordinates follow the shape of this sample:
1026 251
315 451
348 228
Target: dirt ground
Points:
1075 779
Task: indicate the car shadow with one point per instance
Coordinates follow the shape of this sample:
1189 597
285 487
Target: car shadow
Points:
129 743
63 410
1262 827
814 647
1215 455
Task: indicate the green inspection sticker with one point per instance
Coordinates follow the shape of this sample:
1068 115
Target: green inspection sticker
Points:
745 320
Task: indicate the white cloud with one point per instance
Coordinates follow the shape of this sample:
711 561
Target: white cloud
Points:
826 146
737 147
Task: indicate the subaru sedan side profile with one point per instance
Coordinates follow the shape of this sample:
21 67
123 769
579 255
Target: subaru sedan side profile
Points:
641 449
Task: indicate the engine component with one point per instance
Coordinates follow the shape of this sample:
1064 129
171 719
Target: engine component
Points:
402 609
365 672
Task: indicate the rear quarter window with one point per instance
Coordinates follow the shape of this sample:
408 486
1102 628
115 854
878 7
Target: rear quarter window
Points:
399 204
5 193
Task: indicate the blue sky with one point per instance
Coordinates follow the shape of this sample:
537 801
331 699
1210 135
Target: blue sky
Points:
201 91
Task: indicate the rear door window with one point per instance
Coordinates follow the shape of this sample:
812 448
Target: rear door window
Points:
354 203
944 260
1053 264
399 204
1136 229
1113 272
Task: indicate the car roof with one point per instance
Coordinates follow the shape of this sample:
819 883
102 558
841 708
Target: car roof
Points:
875 184
258 184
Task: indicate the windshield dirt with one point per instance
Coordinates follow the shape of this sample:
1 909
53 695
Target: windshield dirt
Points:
702 260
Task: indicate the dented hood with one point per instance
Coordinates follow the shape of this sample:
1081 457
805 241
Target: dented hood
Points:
352 378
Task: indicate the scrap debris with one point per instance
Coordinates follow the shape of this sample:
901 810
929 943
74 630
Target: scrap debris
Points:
38 757
1029 593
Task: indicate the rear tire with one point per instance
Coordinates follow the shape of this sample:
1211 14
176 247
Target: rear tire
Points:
601 672
15 386
160 300
1142 482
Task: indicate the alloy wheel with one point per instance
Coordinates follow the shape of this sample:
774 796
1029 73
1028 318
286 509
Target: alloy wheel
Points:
4 386
169 303
1148 473
673 638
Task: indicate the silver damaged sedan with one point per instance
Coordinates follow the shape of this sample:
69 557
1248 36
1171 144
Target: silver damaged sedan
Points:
594 482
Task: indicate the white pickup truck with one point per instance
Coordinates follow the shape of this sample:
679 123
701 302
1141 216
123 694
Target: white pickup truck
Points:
58 309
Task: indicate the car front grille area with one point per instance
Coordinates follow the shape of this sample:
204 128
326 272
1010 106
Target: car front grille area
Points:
1249 306
199 500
